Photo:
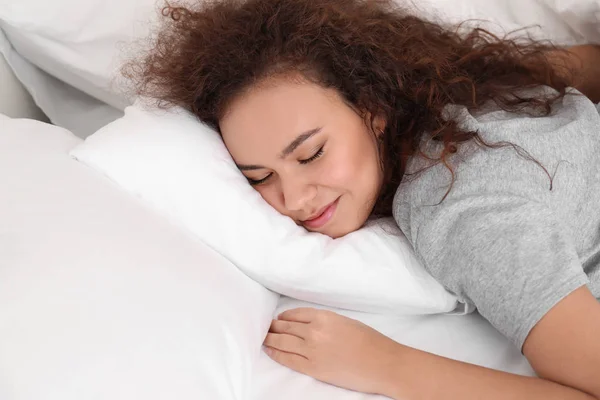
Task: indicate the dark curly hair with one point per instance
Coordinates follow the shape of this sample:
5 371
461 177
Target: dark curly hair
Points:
381 59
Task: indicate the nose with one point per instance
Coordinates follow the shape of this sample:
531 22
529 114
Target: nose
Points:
297 194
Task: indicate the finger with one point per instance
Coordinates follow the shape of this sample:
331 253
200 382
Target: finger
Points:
304 314
286 343
292 361
298 329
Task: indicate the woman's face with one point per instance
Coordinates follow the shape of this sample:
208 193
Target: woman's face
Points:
308 154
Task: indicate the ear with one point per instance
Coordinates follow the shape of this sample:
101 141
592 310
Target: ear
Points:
376 125
379 125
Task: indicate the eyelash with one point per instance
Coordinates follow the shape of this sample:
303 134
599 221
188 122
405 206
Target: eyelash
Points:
318 154
254 182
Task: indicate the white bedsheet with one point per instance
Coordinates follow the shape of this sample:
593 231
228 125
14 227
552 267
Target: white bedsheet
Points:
468 338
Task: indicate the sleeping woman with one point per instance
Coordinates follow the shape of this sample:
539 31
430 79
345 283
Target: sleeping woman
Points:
485 150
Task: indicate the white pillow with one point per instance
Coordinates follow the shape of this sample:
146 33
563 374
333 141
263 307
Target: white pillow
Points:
566 22
101 298
183 169
63 105
79 42
15 101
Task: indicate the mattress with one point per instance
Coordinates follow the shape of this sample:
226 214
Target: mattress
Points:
43 352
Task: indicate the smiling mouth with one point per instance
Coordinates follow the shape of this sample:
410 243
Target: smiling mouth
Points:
323 217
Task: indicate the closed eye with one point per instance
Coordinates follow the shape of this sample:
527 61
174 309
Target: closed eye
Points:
318 154
255 182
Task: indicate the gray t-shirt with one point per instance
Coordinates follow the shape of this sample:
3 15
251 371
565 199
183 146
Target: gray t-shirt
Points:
502 241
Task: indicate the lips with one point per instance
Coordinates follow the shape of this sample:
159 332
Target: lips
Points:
322 217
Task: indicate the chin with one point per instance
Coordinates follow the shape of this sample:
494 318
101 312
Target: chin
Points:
336 233
331 232
333 235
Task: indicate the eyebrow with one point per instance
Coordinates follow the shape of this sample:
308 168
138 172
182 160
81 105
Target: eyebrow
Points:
244 167
303 137
289 149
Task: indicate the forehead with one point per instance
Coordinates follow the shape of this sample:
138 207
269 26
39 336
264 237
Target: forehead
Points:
275 113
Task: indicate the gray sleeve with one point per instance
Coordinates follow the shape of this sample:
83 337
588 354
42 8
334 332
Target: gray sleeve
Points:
505 254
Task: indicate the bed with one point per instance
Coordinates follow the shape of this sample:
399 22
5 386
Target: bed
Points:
101 297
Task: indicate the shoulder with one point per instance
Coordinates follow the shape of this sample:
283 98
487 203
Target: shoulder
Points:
569 133
568 113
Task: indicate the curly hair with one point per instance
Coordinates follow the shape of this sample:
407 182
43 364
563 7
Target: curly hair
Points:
382 60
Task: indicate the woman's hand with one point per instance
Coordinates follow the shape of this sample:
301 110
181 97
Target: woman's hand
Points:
562 347
335 349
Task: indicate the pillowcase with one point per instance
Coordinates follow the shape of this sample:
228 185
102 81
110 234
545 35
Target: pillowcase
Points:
183 169
79 42
566 22
63 105
101 298
14 100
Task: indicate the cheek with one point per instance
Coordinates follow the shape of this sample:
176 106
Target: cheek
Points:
340 173
355 170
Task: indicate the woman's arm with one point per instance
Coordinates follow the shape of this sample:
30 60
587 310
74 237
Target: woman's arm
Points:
563 348
584 62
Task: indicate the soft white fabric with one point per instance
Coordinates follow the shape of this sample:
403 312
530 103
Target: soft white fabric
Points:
78 41
64 105
101 298
468 338
183 169
582 16
565 22
15 101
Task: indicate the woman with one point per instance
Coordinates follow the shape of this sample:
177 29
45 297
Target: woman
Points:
342 110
